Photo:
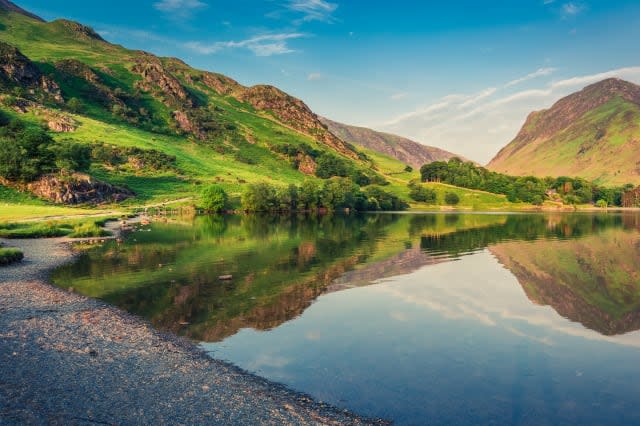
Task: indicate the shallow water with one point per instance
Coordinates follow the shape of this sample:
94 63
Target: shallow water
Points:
430 318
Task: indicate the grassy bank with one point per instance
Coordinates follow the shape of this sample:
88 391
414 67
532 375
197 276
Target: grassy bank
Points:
10 255
73 228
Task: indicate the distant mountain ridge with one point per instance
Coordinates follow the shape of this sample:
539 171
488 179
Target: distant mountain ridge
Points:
10 7
409 152
594 133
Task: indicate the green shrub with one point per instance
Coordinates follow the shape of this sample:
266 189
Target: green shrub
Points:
602 204
422 195
451 198
214 198
10 255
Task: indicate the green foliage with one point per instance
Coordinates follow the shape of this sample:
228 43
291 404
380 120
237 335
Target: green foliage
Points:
75 105
150 159
24 152
10 255
214 198
421 194
602 204
527 189
408 169
75 228
71 156
384 200
451 198
337 193
329 165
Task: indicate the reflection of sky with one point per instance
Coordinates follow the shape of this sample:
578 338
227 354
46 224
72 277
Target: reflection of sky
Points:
490 295
456 342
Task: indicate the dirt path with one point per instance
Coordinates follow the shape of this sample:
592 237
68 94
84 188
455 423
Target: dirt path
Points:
67 359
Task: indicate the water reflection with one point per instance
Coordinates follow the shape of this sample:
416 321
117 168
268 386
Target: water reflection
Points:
583 265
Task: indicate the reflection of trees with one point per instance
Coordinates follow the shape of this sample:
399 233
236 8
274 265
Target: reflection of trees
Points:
518 227
280 264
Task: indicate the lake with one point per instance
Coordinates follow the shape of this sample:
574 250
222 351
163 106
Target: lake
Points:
458 319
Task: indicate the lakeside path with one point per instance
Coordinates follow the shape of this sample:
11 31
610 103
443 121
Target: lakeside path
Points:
67 359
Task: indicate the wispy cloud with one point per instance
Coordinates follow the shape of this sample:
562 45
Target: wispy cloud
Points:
262 45
542 72
477 125
313 10
179 8
398 96
315 76
572 9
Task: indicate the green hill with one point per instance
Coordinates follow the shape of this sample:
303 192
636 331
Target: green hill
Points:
594 134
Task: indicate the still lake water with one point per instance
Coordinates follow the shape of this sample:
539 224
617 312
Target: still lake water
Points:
420 318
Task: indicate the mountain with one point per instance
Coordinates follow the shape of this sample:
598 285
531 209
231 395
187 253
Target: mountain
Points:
592 280
409 152
594 133
160 127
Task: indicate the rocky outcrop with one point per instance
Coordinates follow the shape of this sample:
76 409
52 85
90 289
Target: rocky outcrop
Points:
77 189
62 124
186 124
307 165
293 113
17 70
158 80
79 30
223 85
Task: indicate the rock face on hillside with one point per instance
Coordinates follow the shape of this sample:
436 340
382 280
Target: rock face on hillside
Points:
81 31
156 79
594 133
77 189
409 152
17 70
294 113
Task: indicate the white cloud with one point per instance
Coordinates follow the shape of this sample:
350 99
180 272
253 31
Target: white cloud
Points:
313 10
262 45
398 96
478 125
315 76
542 72
572 9
179 6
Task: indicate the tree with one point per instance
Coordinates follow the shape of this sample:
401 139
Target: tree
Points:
339 193
451 198
71 156
328 165
259 197
309 195
24 153
75 105
421 194
214 198
602 204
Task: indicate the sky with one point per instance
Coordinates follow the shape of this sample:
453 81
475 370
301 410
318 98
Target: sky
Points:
460 75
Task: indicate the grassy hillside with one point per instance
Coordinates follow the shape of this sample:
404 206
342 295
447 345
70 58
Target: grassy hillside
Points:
164 130
594 134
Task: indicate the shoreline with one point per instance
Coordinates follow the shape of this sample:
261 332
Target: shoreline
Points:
69 359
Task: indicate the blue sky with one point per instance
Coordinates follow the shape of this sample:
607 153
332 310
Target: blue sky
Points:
459 75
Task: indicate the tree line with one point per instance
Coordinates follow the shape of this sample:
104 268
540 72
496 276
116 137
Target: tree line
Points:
528 189
337 193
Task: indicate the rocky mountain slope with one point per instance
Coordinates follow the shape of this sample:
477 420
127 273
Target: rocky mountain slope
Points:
594 133
64 76
409 152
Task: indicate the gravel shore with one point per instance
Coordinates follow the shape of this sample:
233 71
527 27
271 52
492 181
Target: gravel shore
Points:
67 359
